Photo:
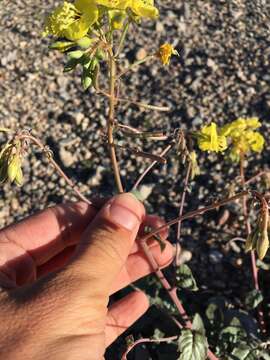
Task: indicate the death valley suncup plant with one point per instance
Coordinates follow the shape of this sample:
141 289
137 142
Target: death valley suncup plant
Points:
91 35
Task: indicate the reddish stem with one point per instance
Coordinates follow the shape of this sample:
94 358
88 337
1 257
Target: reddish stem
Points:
183 198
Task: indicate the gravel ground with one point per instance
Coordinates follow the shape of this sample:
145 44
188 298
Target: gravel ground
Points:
223 72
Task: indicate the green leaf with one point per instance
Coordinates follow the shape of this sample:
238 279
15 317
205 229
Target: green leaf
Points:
70 65
244 352
197 324
185 279
253 299
85 42
61 45
211 311
86 81
76 54
192 345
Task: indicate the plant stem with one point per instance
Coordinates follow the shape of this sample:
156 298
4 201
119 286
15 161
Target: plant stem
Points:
248 231
140 341
110 123
122 39
205 209
255 177
183 198
150 167
172 291
143 105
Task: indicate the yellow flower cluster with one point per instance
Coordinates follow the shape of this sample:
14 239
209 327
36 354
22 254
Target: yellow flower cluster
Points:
240 134
73 20
243 137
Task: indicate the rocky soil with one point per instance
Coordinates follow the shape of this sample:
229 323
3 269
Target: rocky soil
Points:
223 72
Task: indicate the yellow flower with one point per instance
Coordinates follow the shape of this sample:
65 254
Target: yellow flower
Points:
144 8
165 52
141 8
243 137
72 21
235 128
210 140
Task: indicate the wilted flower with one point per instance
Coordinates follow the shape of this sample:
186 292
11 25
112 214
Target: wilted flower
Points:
165 53
209 139
195 170
243 137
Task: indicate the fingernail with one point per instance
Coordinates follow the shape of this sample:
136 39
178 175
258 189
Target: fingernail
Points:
126 211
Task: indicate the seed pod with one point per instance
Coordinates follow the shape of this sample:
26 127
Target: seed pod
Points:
19 177
262 245
13 167
252 240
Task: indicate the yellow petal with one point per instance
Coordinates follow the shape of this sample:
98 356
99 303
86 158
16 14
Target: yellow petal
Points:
144 8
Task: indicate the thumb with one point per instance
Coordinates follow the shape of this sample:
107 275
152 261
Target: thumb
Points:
107 242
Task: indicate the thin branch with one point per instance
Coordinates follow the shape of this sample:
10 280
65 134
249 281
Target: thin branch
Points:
55 165
255 177
150 167
145 106
122 39
135 64
205 209
183 198
144 154
140 341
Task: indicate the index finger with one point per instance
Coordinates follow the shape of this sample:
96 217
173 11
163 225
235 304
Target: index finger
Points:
47 233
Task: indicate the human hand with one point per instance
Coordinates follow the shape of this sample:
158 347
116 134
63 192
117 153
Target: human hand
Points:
61 266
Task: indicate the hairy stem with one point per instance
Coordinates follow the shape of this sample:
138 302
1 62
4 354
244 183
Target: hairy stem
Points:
110 123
